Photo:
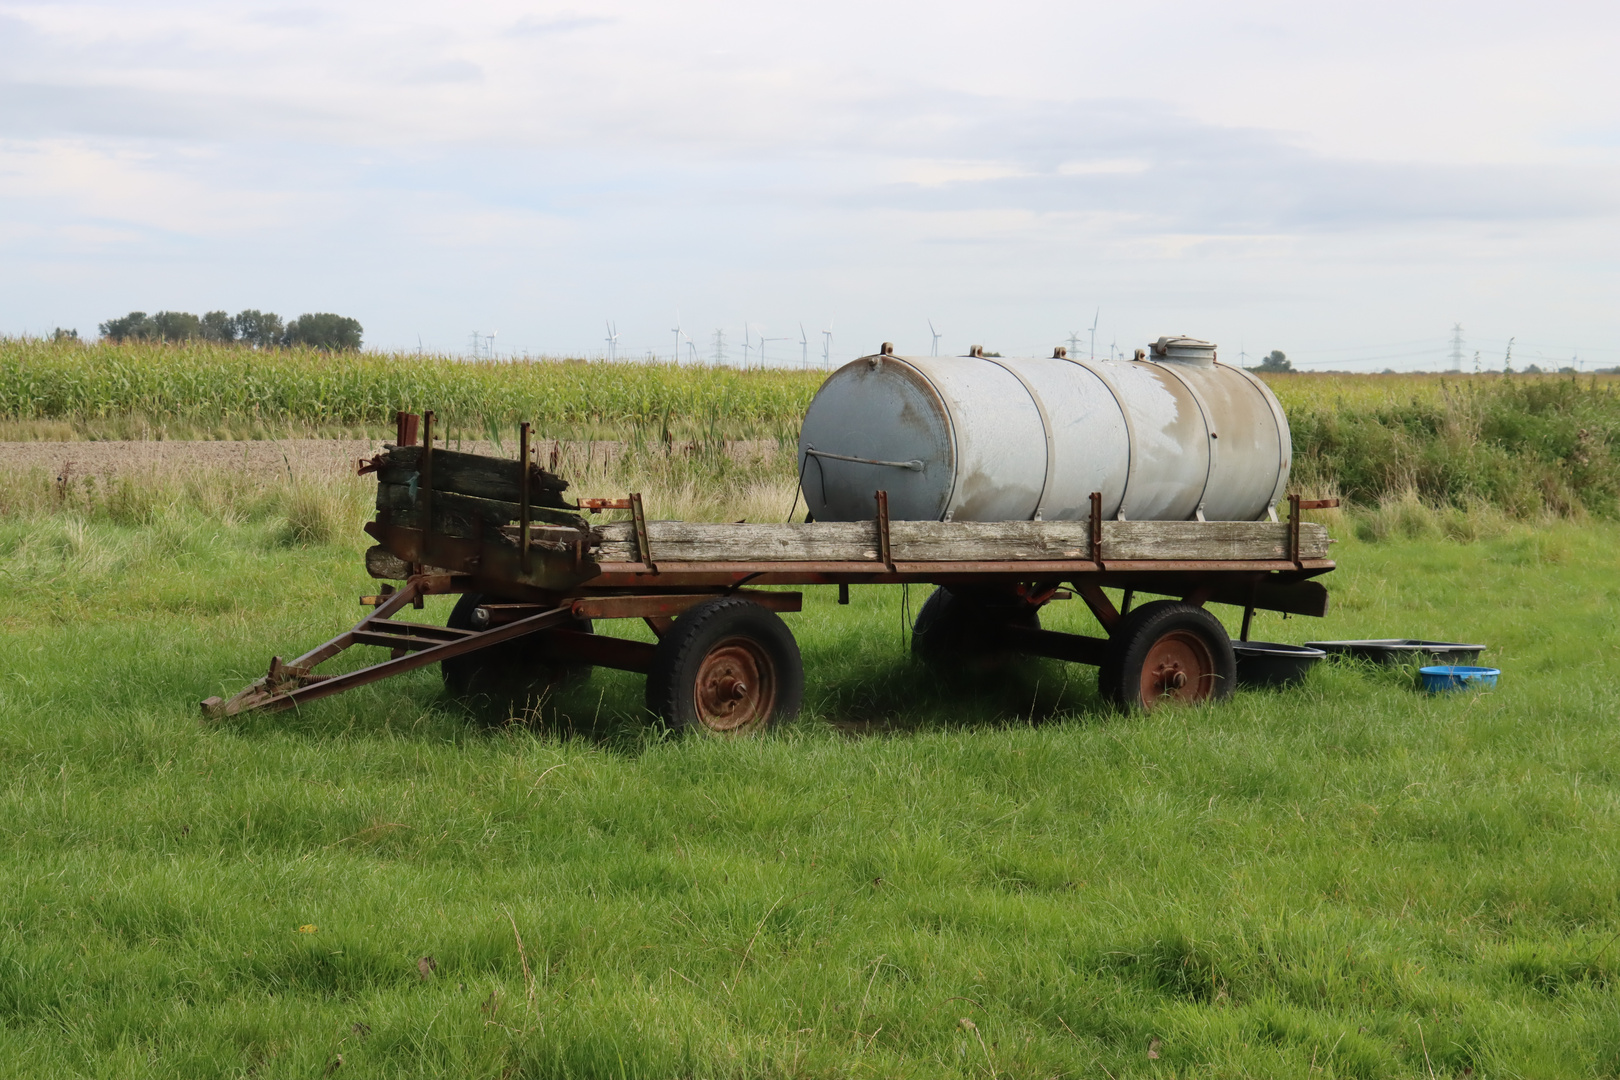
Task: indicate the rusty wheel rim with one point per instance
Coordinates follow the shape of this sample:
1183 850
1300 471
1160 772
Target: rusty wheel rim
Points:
1179 667
736 686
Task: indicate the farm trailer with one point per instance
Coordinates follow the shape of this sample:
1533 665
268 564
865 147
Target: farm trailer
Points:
533 577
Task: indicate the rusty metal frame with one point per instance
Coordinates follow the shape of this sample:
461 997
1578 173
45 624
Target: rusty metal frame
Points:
546 602
290 684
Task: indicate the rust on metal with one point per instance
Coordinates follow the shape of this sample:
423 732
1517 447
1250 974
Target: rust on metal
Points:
426 483
1293 528
523 497
1096 526
290 684
601 650
1099 603
885 553
1179 666
643 543
736 686
656 605
405 428
541 580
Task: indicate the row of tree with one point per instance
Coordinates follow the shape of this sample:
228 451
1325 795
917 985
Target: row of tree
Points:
259 329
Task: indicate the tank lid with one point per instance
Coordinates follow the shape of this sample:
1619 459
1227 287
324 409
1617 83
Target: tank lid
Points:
1184 350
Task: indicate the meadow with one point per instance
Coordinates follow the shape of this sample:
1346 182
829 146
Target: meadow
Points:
1347 878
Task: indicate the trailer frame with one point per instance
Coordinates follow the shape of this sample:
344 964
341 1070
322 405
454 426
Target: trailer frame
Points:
660 592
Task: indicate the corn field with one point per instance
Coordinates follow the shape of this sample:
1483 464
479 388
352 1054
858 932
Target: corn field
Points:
205 382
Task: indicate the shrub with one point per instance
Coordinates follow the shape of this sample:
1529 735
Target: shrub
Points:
324 330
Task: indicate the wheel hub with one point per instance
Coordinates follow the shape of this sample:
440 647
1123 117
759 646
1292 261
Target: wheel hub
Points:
734 686
1178 667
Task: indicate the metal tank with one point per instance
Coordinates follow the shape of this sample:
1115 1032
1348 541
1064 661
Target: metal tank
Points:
1170 436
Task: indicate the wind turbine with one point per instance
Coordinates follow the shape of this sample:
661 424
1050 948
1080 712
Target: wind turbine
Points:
612 341
1094 322
804 348
762 340
937 336
678 335
826 346
746 345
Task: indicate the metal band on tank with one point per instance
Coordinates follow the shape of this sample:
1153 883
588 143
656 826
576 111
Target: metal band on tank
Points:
1130 429
950 428
1212 444
1046 429
1285 454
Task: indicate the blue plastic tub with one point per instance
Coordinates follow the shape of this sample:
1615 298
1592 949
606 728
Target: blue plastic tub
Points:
1446 677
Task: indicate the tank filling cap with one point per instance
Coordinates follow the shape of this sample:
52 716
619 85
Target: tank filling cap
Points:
1183 350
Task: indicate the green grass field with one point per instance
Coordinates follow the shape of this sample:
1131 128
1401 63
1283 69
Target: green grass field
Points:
1344 879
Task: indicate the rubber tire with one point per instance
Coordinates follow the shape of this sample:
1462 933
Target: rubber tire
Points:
679 657
1119 681
511 668
957 633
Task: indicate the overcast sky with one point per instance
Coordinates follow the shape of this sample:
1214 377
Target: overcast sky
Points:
1343 182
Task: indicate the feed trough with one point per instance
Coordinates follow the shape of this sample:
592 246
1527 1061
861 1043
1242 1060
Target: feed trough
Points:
1271 663
1402 650
1443 678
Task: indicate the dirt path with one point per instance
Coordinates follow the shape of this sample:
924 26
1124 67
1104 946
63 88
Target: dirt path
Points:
287 457
295 457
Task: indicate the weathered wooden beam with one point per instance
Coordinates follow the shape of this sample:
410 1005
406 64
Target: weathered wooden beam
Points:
1136 540
473 474
402 498
384 565
961 541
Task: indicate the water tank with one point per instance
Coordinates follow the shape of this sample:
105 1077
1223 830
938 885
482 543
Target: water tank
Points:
1171 436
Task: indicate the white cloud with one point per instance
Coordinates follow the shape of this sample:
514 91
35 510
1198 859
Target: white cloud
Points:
1249 164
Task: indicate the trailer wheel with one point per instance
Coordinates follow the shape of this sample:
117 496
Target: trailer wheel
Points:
511 668
957 633
1168 651
727 666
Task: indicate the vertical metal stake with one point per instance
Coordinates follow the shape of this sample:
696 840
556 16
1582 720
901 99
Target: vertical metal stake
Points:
643 543
1248 616
1096 526
884 551
843 592
523 497
1293 528
427 482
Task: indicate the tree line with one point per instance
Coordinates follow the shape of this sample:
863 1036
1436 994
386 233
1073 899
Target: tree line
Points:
258 329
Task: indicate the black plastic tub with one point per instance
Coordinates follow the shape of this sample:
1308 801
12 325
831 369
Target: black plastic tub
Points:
1271 663
1402 650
